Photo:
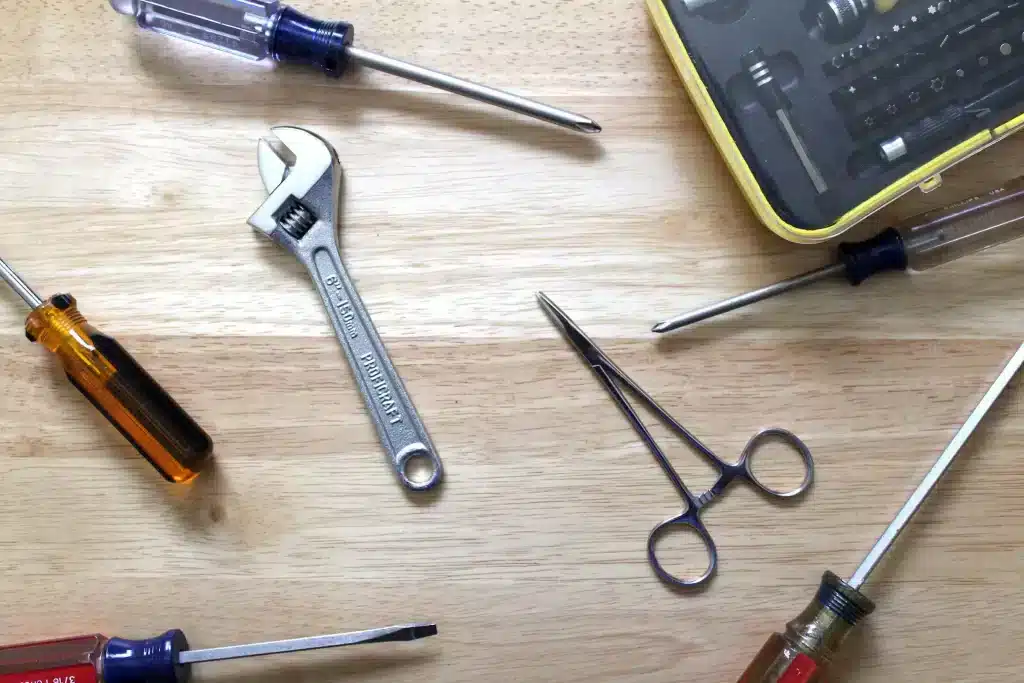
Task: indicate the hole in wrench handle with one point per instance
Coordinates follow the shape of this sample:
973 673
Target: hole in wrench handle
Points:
416 460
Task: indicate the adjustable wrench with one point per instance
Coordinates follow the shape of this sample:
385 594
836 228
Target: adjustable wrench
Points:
302 215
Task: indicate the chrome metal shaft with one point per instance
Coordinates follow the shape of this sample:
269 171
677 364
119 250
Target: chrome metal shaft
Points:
927 485
377 635
800 148
481 93
19 286
749 298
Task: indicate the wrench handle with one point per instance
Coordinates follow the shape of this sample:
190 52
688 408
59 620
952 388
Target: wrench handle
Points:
401 431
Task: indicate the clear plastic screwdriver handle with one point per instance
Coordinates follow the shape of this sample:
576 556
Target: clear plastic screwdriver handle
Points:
952 232
241 27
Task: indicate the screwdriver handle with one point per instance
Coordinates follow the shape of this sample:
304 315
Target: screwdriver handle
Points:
925 134
804 652
933 131
96 658
769 92
121 389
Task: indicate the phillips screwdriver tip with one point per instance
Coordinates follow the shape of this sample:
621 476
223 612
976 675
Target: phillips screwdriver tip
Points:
588 126
474 91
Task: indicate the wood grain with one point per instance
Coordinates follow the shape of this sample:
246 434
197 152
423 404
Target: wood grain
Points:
129 168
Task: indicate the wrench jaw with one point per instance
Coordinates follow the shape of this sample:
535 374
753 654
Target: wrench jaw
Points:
288 181
273 168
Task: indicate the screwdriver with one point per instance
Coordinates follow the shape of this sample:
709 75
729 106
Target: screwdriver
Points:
164 659
946 125
115 384
837 21
267 29
920 243
774 100
804 652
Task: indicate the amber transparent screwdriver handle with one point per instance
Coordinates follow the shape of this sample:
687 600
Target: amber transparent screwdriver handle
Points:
116 384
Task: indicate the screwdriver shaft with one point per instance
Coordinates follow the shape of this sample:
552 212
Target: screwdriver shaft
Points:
377 635
20 286
481 93
800 149
943 464
749 298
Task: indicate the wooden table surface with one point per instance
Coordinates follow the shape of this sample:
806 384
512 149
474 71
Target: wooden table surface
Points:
130 170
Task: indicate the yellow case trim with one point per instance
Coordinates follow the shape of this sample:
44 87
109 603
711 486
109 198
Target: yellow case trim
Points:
748 184
1010 127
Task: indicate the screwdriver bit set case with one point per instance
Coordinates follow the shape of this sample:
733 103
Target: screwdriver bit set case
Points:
827 110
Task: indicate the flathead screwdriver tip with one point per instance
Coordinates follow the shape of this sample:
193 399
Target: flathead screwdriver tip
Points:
421 631
405 632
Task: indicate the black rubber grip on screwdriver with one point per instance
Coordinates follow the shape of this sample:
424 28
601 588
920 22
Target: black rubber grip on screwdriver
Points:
885 251
304 40
769 93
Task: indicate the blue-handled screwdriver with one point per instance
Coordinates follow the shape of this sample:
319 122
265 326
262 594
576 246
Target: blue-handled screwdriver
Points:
164 659
919 243
267 29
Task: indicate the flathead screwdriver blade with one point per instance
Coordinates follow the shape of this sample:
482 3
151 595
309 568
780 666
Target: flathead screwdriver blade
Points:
378 635
475 91
749 298
19 286
941 466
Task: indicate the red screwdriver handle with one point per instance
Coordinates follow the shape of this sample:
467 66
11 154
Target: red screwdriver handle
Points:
96 659
69 660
